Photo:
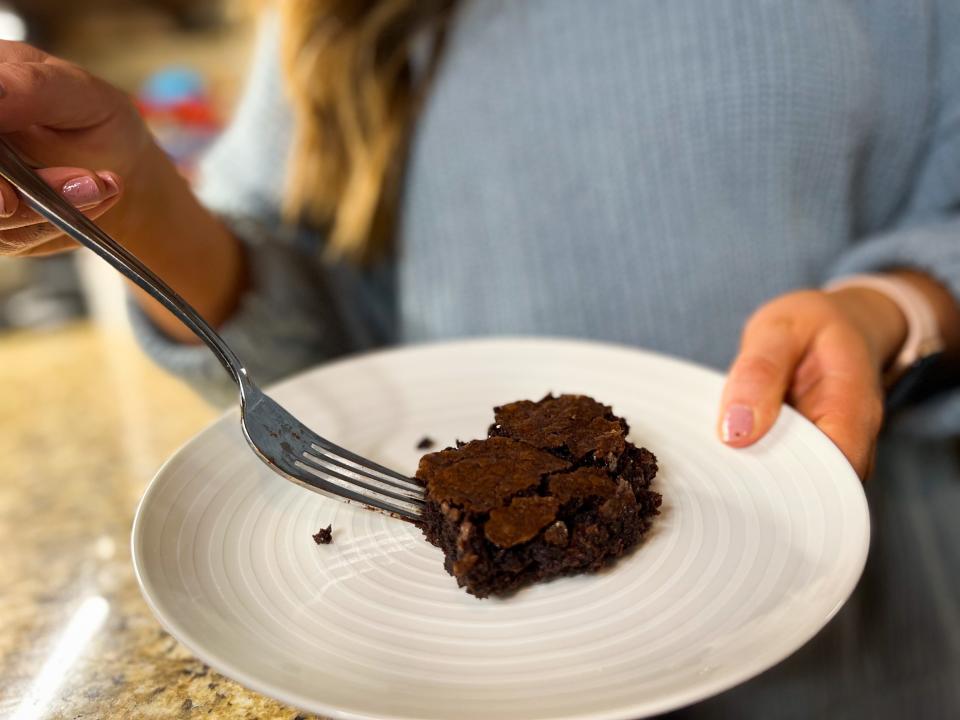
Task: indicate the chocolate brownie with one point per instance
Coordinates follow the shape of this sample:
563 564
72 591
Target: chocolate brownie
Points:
555 489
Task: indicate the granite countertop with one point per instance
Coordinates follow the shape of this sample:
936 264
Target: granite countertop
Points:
86 420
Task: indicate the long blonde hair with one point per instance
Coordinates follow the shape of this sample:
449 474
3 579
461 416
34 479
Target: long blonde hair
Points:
354 90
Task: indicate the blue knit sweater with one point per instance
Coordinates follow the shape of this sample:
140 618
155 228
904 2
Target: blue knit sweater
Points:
645 171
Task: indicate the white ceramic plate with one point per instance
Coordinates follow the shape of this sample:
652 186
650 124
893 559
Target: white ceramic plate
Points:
754 551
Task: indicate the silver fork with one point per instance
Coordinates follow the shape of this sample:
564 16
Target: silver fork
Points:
277 437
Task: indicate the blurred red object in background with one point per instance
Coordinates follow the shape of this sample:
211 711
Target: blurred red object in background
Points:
175 104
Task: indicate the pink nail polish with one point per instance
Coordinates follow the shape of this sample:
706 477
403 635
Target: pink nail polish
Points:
82 191
737 423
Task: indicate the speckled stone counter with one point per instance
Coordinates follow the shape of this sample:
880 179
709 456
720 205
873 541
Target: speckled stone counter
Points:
85 420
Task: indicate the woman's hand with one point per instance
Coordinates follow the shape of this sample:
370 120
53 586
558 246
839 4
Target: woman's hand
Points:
823 352
84 133
97 152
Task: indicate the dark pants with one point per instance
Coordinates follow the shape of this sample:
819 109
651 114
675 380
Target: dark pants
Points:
893 651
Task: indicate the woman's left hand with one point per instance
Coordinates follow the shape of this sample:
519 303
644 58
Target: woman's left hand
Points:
822 352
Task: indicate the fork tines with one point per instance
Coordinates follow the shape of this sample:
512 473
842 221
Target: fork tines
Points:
359 479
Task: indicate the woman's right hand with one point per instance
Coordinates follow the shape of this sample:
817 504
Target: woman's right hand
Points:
85 134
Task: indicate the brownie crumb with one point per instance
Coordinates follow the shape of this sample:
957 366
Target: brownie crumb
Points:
554 489
324 536
426 443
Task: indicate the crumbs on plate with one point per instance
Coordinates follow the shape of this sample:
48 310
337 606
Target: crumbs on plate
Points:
324 536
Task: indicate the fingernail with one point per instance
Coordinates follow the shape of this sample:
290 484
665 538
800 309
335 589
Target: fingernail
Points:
82 191
737 423
112 187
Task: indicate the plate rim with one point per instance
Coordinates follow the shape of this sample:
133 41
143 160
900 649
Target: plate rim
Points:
670 701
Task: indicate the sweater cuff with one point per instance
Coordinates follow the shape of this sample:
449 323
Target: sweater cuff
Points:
284 321
933 249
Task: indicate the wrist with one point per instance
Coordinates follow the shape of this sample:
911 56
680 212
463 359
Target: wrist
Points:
943 305
877 317
161 221
923 337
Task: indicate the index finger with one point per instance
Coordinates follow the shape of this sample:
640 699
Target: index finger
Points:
835 393
80 187
52 94
15 51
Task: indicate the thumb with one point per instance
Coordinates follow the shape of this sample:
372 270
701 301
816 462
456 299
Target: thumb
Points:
759 378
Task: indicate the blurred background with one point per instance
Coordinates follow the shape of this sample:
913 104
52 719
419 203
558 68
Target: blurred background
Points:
183 60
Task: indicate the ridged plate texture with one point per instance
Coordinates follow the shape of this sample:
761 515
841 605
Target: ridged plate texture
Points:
754 551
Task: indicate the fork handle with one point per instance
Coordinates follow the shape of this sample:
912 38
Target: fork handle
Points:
48 203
